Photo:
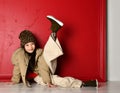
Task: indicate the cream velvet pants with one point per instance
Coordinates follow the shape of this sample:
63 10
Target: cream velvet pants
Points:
61 81
52 51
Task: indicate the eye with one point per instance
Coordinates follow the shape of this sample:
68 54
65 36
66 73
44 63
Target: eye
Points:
27 45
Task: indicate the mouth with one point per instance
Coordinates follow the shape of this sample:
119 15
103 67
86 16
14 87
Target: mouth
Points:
30 50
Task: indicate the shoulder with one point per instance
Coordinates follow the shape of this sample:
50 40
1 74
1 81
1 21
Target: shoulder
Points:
19 52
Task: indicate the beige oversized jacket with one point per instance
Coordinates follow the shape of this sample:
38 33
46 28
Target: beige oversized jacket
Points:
46 61
20 61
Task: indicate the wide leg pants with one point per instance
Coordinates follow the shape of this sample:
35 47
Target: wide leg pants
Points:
52 51
61 81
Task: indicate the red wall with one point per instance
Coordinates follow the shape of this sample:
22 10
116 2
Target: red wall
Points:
83 36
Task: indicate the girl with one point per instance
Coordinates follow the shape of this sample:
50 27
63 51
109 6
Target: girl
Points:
32 62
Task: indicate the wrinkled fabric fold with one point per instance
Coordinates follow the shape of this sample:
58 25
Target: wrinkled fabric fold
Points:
61 81
52 51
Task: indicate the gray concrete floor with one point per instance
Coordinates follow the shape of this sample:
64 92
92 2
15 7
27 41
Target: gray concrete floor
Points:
109 87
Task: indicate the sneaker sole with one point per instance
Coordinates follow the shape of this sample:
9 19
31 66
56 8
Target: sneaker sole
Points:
59 22
96 83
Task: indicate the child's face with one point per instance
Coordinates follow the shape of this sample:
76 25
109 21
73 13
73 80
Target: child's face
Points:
30 47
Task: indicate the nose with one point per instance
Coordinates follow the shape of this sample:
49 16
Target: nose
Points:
30 47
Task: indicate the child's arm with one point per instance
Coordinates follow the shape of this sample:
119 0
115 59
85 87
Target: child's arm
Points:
44 71
16 74
16 70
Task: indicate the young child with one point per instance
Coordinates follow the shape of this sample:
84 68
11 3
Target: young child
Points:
32 62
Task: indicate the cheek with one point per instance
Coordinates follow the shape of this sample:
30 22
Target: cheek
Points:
26 48
33 46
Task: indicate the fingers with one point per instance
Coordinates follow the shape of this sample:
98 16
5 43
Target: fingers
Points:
52 85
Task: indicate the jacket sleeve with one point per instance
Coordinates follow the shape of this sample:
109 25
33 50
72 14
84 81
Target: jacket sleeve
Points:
44 70
16 70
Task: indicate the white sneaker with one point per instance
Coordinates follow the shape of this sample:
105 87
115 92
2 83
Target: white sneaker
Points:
56 20
96 83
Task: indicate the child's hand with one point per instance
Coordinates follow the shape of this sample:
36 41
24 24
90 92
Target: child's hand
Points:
51 85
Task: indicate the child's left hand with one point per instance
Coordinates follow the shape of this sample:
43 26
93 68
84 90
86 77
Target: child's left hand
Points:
51 85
